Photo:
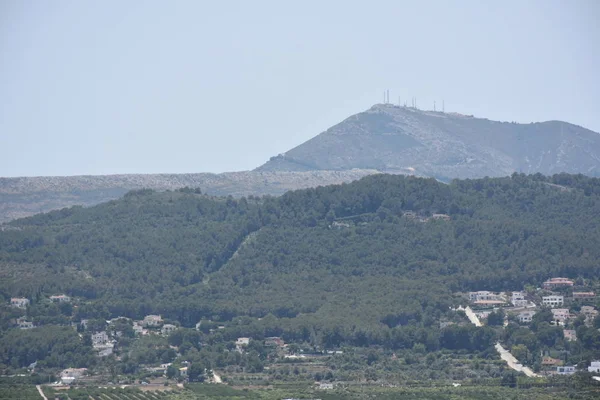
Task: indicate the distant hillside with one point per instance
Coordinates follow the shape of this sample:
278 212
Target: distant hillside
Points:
444 145
22 197
365 256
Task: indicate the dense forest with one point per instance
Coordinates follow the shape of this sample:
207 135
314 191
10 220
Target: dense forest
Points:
353 264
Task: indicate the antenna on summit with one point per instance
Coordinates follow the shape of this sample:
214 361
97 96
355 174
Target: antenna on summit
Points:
443 107
434 106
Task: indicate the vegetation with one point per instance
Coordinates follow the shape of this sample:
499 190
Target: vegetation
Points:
366 267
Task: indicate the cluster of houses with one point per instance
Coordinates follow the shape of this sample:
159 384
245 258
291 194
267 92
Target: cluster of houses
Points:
22 303
554 296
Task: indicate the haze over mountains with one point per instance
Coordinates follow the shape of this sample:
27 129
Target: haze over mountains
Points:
384 138
398 139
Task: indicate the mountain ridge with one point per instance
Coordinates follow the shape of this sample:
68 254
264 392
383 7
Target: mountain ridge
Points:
401 139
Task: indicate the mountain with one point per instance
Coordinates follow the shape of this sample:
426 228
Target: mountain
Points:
444 145
22 197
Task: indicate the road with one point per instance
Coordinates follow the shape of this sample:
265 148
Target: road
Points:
511 361
41 392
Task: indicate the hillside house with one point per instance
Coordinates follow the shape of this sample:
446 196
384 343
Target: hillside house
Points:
19 302
570 335
274 341
555 283
105 350
152 321
138 329
61 298
589 312
561 315
518 299
485 297
441 217
566 370
240 343
549 361
24 324
594 367
553 301
69 375
525 317
583 295
167 329
99 338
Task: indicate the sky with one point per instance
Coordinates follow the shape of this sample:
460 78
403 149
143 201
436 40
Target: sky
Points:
115 87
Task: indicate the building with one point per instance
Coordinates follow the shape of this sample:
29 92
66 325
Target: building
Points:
139 330
99 338
183 371
561 315
325 386
70 375
570 335
557 283
167 329
518 299
594 366
525 316
583 295
553 301
551 361
566 370
443 217
485 297
24 324
61 298
274 341
243 341
589 312
19 302
152 321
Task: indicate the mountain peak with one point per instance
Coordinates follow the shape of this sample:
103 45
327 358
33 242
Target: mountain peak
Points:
399 139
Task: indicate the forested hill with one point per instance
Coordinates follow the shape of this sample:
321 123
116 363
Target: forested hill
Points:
352 256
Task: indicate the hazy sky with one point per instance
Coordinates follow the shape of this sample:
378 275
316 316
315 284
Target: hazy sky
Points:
104 87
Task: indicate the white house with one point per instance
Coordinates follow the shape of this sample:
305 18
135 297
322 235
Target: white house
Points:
167 329
61 298
594 366
24 324
152 321
518 299
19 302
553 301
566 370
525 316
486 297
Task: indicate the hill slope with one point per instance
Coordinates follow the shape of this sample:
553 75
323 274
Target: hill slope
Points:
400 139
22 197
189 256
